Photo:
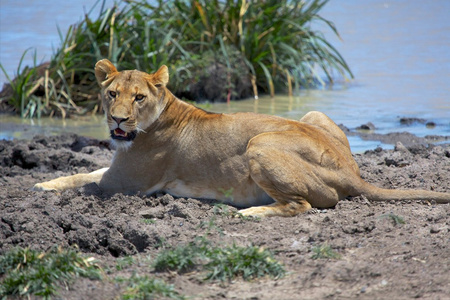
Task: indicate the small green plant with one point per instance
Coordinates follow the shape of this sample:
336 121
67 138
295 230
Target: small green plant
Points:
26 272
227 193
210 225
148 221
249 262
324 252
181 259
221 263
221 210
144 287
397 220
123 262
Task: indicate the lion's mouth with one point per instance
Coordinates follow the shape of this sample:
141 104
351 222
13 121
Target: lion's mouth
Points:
119 134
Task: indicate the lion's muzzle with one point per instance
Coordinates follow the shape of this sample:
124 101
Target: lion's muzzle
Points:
119 134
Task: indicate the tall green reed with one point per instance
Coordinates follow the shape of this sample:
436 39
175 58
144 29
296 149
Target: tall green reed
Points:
215 50
22 87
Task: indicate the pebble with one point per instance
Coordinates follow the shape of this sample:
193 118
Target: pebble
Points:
400 147
435 229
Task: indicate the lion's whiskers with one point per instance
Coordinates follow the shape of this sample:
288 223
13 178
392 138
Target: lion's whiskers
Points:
139 129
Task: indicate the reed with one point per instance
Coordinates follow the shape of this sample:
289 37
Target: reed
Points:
20 90
215 50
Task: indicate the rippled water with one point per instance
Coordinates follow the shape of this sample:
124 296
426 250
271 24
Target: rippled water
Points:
398 50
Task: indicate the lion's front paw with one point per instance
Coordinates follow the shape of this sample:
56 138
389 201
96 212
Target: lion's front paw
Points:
43 186
257 212
313 211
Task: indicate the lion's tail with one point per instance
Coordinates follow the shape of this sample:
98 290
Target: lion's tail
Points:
374 193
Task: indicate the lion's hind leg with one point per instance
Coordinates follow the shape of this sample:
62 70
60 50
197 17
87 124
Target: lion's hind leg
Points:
70 182
298 169
292 171
273 171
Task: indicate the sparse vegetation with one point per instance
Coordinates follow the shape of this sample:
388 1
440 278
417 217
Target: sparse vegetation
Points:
27 272
220 263
248 262
146 288
211 225
216 51
221 209
148 221
182 258
142 286
228 193
397 220
324 252
124 262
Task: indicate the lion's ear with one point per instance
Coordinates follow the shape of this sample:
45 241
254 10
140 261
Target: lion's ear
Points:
103 70
161 77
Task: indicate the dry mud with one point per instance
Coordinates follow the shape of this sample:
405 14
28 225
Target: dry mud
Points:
379 259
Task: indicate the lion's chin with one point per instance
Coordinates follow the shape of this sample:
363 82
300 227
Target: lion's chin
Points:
122 140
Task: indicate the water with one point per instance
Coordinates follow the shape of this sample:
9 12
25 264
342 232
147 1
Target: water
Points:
33 24
17 128
399 52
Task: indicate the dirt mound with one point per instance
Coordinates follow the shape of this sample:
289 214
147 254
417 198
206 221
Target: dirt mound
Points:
387 250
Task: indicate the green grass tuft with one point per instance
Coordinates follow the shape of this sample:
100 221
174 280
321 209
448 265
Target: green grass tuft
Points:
181 259
124 262
397 220
148 221
26 272
145 288
221 209
324 252
247 262
221 263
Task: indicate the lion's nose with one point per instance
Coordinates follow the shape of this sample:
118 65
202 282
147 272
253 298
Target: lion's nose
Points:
119 120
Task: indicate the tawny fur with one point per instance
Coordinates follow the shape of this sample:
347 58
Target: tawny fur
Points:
268 165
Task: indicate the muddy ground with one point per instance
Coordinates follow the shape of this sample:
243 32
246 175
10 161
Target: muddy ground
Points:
379 258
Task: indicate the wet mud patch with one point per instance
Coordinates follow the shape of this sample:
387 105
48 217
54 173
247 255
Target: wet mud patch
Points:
385 250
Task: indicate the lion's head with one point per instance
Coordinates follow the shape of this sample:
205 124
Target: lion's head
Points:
132 100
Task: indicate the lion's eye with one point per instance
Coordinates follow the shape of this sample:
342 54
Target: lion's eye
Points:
112 94
139 97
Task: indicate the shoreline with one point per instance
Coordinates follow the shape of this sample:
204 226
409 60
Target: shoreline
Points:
367 132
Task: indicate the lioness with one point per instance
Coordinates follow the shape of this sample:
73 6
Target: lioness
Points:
272 166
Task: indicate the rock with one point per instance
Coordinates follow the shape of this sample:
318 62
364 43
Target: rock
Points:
401 148
435 229
152 213
410 121
367 126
